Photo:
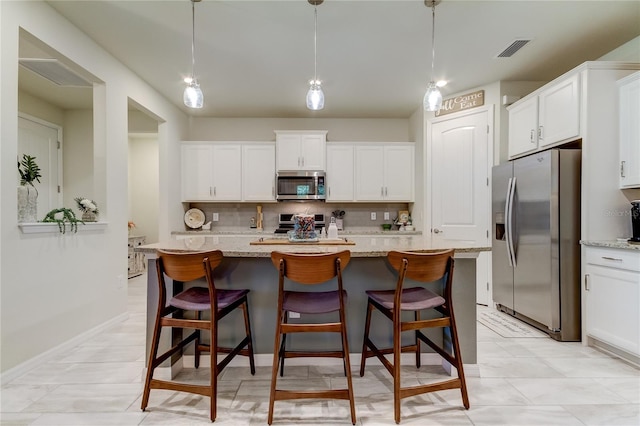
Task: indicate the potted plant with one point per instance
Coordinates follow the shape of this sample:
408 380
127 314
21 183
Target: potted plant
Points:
28 197
89 209
62 217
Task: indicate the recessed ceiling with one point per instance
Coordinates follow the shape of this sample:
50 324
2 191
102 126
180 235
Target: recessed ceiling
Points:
255 58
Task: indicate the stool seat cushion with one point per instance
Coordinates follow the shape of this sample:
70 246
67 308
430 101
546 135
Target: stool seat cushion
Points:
307 302
413 299
197 298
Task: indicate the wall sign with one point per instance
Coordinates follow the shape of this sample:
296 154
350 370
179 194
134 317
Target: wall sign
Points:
462 102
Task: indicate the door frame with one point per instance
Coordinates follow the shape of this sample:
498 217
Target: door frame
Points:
484 269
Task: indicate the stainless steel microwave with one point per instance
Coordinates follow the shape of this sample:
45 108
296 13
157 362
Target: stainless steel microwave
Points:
300 185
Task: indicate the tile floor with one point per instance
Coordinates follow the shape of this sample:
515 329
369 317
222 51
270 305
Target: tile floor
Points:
524 381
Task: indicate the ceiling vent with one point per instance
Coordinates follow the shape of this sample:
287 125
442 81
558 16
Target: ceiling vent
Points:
510 50
55 71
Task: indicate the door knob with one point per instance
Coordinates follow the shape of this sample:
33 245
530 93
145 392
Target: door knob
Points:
436 231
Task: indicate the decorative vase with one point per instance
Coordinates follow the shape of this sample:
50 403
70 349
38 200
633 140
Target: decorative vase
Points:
27 204
89 216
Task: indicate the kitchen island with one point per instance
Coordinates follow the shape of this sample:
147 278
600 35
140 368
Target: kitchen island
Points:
249 266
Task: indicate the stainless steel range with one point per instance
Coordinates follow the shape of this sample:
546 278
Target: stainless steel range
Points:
285 222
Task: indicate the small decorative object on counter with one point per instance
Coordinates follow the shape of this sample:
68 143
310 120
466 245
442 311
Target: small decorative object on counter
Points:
252 223
260 217
304 226
130 226
333 230
89 209
339 215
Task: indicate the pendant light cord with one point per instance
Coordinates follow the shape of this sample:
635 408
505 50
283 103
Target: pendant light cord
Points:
193 40
433 37
315 45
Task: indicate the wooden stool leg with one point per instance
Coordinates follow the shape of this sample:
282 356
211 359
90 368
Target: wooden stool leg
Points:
152 361
283 345
459 366
347 364
213 353
367 324
397 352
418 363
247 327
197 343
274 368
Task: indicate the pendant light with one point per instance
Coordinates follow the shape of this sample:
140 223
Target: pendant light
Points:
193 97
315 95
432 98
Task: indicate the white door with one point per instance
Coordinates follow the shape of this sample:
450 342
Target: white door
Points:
40 140
460 187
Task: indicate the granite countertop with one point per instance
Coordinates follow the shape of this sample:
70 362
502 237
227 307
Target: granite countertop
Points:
365 245
230 230
617 244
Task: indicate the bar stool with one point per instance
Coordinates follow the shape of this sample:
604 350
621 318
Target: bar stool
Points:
185 267
310 269
420 268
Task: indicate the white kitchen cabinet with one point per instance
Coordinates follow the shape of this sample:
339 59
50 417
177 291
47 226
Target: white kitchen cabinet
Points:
629 136
384 172
211 172
548 117
258 172
340 172
612 297
136 263
301 150
523 127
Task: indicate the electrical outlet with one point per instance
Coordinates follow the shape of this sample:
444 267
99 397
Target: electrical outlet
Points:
216 217
294 314
386 215
120 281
373 215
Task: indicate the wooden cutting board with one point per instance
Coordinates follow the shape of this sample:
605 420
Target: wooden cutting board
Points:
320 242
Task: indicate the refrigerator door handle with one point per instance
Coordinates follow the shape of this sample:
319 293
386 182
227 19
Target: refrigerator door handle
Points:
511 190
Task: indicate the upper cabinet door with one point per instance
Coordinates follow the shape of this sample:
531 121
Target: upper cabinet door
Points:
340 172
559 112
197 172
227 172
523 128
301 150
258 172
369 173
313 152
398 172
629 98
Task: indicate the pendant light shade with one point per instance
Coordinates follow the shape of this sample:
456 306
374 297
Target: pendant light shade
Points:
193 97
315 95
432 98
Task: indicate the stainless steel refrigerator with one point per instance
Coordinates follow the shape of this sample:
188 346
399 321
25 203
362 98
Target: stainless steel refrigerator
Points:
536 233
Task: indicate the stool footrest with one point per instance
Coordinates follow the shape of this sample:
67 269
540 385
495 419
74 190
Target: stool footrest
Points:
332 394
182 387
433 387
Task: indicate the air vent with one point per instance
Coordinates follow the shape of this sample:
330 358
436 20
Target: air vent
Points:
512 48
55 71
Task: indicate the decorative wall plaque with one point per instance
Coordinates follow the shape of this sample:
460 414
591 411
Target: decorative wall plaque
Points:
461 103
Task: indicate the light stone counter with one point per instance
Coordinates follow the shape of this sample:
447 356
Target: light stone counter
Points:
249 266
612 244
365 245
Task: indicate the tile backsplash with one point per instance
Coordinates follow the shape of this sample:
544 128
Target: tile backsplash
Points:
240 214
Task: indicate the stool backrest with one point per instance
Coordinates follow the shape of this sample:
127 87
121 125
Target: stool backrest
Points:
310 268
188 266
423 267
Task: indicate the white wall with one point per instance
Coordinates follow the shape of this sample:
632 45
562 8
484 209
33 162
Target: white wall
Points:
56 287
262 129
77 152
628 52
143 186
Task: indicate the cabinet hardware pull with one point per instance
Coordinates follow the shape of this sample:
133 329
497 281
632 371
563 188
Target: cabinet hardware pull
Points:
302 161
615 259
541 132
586 282
622 169
532 136
385 191
329 191
210 192
382 191
214 191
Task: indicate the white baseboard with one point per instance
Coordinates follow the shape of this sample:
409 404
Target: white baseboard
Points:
46 356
